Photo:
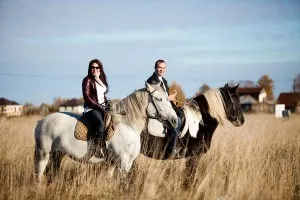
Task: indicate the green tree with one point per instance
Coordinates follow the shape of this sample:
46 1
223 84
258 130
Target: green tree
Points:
268 84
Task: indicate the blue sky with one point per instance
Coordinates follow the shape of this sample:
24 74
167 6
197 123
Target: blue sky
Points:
46 45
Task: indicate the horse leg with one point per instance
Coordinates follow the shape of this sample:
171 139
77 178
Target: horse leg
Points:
41 158
126 164
54 164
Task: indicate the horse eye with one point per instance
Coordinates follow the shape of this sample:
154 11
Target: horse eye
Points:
158 99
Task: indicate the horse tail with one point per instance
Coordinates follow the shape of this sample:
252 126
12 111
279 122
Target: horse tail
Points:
42 150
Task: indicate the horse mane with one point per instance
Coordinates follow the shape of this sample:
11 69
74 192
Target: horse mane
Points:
191 104
129 108
215 104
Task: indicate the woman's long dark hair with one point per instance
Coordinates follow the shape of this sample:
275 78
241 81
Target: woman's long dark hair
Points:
102 73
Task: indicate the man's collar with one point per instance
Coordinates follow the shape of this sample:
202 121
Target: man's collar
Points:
160 77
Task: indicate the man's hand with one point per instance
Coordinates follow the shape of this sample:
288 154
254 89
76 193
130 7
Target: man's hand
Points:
172 97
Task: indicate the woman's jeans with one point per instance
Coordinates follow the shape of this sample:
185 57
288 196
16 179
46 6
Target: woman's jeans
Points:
96 118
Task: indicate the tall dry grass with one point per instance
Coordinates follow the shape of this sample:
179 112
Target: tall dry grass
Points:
260 160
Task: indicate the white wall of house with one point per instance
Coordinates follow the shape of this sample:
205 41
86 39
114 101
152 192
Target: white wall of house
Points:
74 109
262 96
11 110
278 110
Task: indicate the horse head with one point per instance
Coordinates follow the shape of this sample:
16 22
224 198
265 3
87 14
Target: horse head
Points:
232 105
159 107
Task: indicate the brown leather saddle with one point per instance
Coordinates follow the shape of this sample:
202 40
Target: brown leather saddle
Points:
84 130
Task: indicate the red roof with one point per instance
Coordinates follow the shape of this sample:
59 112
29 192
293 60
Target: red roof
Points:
255 90
73 102
290 99
6 102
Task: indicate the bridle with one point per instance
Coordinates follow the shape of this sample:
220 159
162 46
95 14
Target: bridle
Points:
157 114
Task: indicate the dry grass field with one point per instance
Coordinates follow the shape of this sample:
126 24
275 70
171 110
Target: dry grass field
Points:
260 160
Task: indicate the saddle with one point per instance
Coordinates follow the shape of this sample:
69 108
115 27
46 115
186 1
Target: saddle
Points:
191 118
84 131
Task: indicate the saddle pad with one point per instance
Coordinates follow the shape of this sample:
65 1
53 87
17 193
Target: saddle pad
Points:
81 130
194 118
191 124
157 129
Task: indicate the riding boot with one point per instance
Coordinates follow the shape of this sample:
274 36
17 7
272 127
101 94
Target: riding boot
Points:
100 144
172 138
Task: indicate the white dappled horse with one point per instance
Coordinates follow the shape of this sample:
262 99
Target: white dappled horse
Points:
54 135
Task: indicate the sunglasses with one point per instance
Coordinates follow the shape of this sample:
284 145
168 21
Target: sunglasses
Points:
95 67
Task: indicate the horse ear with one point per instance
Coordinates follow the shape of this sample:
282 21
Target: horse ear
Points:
226 85
149 87
236 87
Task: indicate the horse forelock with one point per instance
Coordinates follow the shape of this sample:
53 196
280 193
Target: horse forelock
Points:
133 106
215 105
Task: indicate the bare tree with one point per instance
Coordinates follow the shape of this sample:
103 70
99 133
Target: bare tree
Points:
44 109
247 84
57 101
232 83
202 89
296 84
268 84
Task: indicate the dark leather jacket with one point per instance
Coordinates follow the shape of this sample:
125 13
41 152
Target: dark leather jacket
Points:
90 97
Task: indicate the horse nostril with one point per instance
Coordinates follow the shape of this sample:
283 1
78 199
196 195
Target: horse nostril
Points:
243 120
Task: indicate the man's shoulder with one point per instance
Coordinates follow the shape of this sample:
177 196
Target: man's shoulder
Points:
153 79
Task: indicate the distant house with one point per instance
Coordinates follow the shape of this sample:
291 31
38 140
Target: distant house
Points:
257 93
254 100
291 100
10 108
73 106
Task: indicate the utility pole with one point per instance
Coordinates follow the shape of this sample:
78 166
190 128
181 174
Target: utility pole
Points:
294 86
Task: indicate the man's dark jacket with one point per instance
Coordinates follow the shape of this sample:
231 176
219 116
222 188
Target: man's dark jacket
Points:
154 80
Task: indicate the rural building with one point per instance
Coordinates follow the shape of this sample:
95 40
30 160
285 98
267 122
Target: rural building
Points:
73 106
10 108
254 100
257 93
291 100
